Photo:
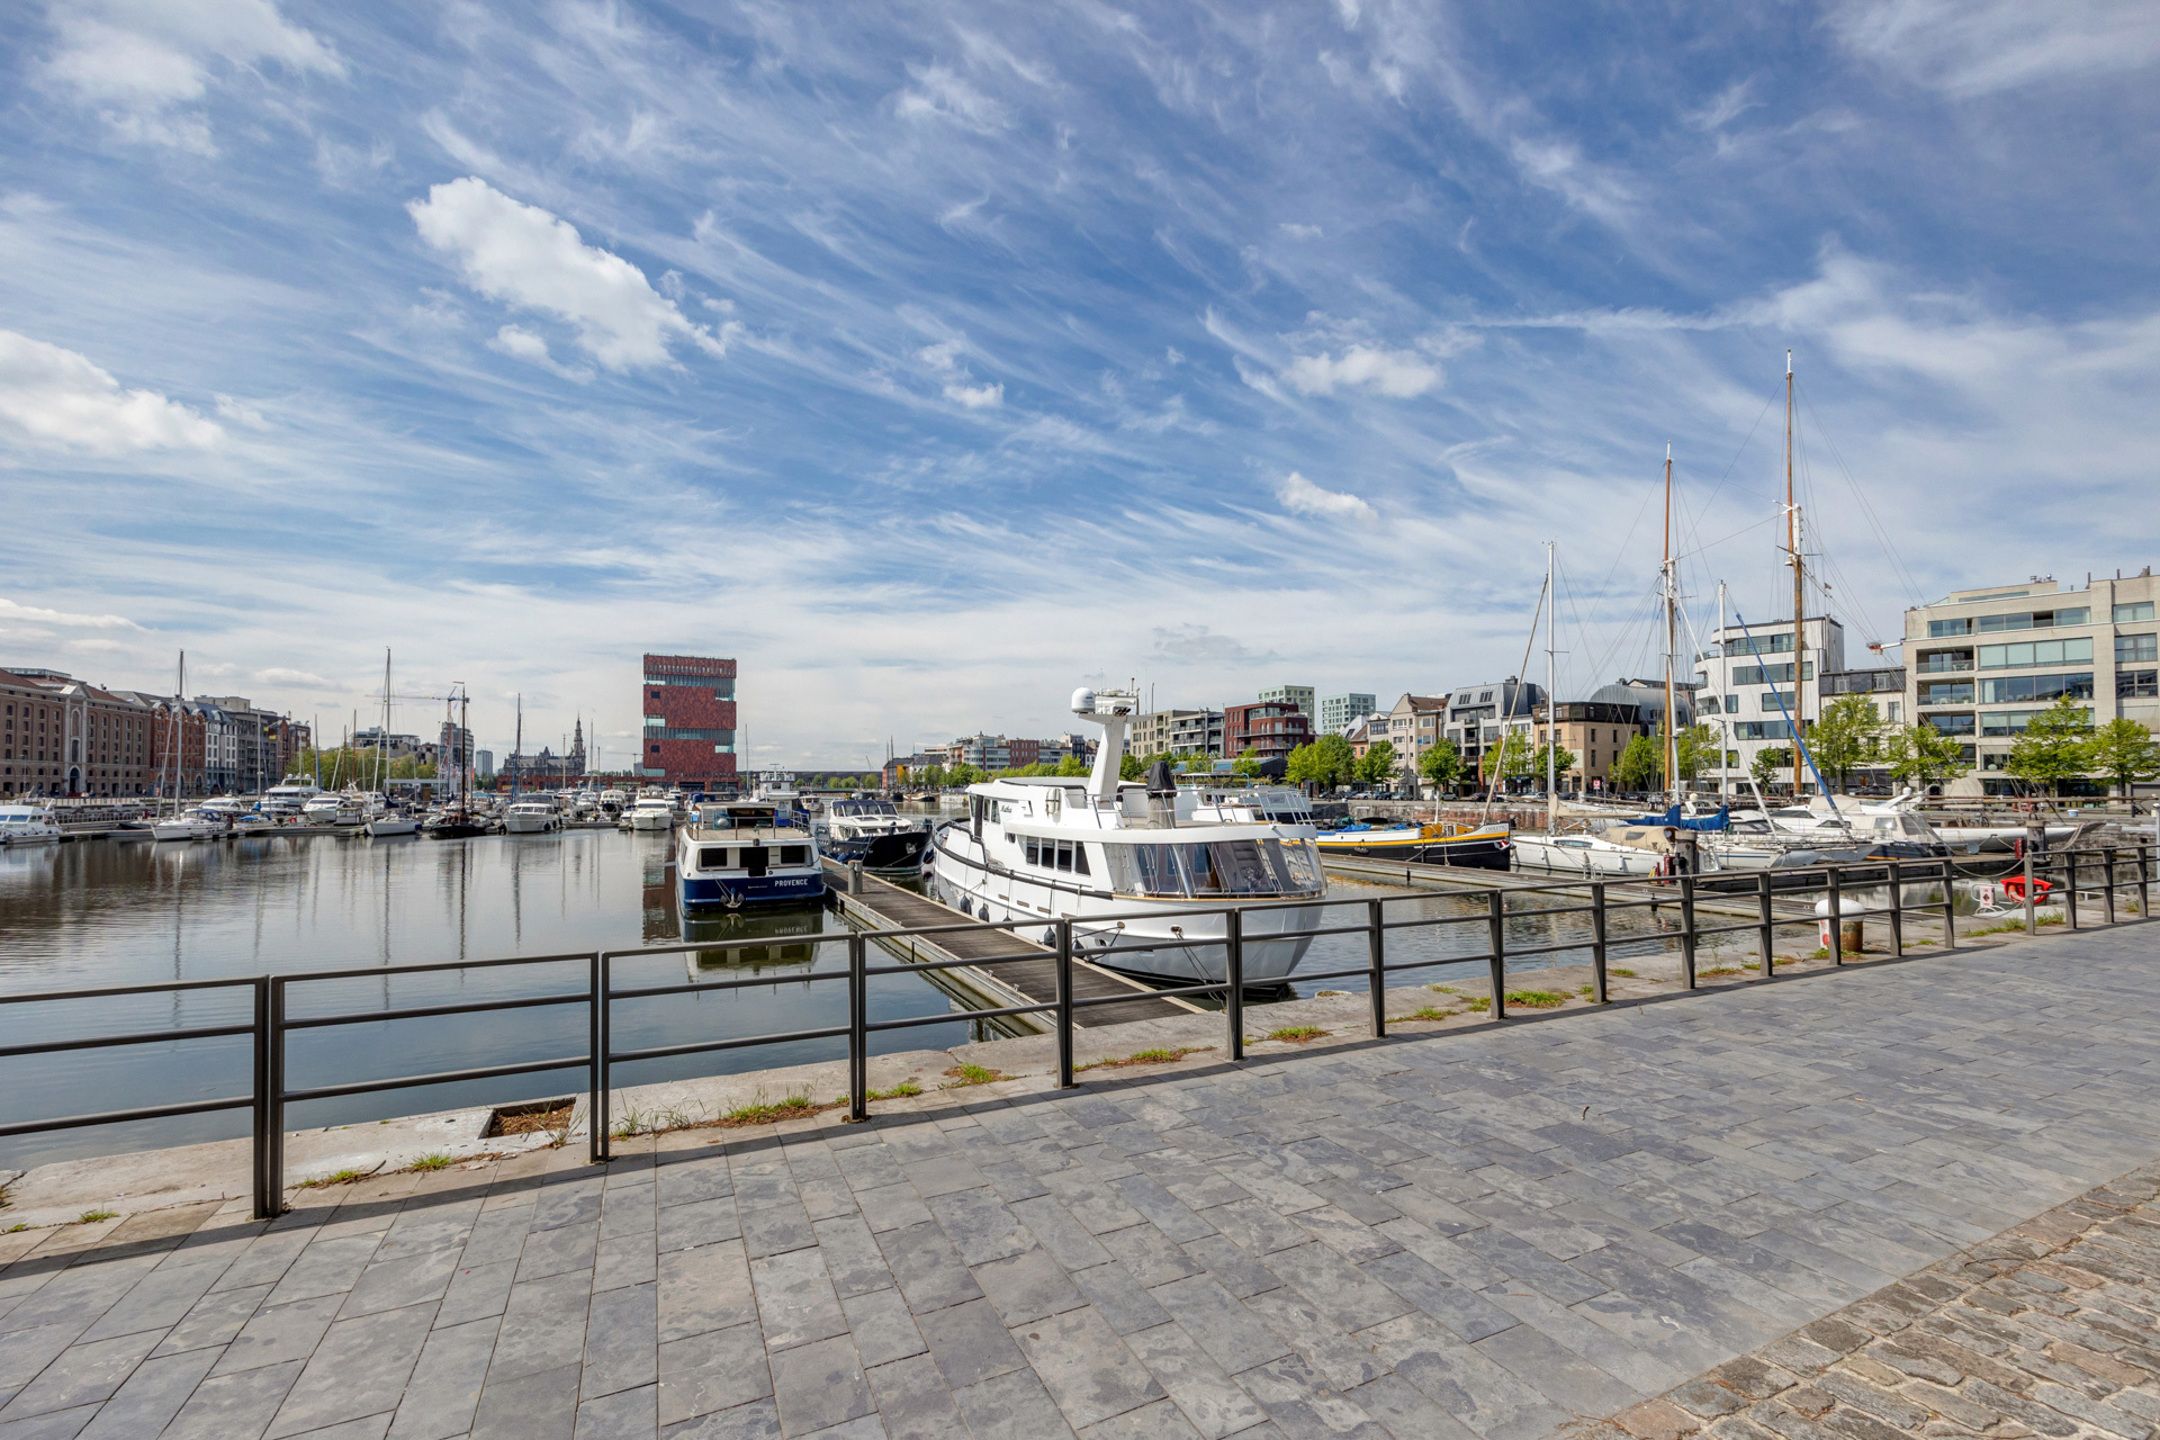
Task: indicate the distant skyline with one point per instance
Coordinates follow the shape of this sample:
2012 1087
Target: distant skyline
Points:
935 359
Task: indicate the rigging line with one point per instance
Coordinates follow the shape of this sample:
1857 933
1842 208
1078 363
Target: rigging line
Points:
1715 490
1882 533
1638 626
1709 545
1621 553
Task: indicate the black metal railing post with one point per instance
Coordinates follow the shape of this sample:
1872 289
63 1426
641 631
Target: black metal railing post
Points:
596 1064
1687 929
2145 859
270 1140
1496 929
2070 859
1376 965
1234 981
269 1185
1764 926
1897 908
2032 913
1064 1005
1600 976
858 1027
1833 902
2107 877
1949 879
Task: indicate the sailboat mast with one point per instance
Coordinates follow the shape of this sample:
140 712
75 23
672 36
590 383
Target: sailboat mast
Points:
1552 710
1724 681
1799 594
1672 733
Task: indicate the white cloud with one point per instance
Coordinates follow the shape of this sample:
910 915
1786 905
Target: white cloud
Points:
1976 47
977 397
943 359
520 343
1396 373
1723 107
1299 494
524 256
143 65
241 413
1297 231
10 610
54 397
305 679
940 94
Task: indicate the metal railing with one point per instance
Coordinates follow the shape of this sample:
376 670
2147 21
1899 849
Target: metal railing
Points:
2078 878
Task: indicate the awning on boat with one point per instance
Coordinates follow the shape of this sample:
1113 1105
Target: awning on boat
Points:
1674 820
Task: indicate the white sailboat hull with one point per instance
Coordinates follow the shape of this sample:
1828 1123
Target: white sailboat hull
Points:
384 828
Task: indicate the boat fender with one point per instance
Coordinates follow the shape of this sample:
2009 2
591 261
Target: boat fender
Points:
1049 936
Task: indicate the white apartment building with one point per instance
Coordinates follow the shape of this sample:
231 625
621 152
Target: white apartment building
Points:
1178 732
1981 663
1749 686
1339 712
1299 696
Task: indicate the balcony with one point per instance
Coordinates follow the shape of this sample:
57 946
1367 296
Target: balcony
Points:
1944 665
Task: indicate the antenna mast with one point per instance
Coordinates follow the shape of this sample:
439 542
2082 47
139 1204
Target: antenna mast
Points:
1799 594
1552 711
1672 732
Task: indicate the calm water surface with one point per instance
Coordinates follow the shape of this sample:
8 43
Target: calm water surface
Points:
129 912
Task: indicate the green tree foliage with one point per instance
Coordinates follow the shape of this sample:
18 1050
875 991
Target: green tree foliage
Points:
1770 763
1131 767
1072 765
2055 747
1323 763
1847 735
1699 750
1563 760
1246 764
1641 765
1922 755
1441 764
1511 759
348 765
2125 752
1377 765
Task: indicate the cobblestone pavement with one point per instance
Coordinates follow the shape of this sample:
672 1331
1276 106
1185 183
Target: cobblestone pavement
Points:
2051 1328
1490 1233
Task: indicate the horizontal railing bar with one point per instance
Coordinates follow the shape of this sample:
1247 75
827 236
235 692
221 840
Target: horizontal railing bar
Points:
737 982
1201 987
1431 921
739 1042
103 1042
1704 930
1350 974
121 1117
375 972
422 1012
1550 910
910 967
909 1022
440 1077
113 992
1555 948
732 942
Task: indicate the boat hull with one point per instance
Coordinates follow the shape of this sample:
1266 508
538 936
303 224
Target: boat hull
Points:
386 829
1479 850
716 892
650 820
1536 853
900 851
529 824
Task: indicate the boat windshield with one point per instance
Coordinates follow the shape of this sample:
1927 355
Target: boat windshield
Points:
1214 868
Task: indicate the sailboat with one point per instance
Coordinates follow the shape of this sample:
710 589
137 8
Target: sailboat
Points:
173 824
457 820
387 823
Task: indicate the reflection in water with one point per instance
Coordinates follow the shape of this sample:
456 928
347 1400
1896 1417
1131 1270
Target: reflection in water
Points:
784 930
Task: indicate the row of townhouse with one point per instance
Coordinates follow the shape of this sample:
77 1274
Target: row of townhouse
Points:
61 736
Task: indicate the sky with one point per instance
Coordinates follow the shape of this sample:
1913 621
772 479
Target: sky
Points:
933 360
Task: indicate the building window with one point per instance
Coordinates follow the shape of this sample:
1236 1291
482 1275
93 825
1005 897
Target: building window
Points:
2036 687
2133 612
1947 692
2137 684
2011 722
1949 724
2077 651
2129 649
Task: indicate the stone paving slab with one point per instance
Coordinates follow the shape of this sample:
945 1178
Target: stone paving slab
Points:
1498 1233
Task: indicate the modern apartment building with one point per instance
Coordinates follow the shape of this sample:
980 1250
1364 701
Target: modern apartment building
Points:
689 706
1478 714
1298 697
1413 727
1178 732
1750 684
1979 664
1339 712
1271 729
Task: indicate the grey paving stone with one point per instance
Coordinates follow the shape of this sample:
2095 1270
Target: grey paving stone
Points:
1067 1240
627 1260
360 1368
883 1327
1406 1412
1011 1407
819 1385
968 1342
444 1392
1348 1296
1464 1311
759 1420
1234 1269
1343 1359
622 1330
717 1370
213 1320
328 1266
623 1415
393 1284
776 1228
543 1327
558 1250
707 1288
980 1225
698 1222
151 1396
1214 1403
1556 1372
1027 1287
926 1267
537 1405
1488 1398
1299 1402
53 1425
1121 1300
476 1292
158 1300
914 1400
1081 1362
224 1406
83 1374
23 1353
795 1299
1159 1421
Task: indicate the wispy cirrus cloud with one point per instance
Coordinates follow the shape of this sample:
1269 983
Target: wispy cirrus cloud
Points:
1305 498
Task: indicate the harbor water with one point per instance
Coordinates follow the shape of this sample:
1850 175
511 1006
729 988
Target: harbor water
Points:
112 912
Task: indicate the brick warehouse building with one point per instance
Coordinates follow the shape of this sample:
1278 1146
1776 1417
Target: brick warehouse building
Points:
63 736
689 705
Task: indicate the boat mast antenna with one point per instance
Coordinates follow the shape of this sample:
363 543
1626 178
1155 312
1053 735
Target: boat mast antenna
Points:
1799 597
1672 730
1552 704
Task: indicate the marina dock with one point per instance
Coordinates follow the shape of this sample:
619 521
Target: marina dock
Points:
880 904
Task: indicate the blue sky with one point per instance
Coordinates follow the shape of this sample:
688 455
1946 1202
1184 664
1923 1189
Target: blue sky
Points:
934 359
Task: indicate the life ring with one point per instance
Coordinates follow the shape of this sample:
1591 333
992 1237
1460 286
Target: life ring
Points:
2014 887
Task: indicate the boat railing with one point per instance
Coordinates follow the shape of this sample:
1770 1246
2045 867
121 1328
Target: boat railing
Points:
1918 901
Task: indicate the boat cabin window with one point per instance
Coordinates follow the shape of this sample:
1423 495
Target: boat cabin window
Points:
794 855
713 857
1220 867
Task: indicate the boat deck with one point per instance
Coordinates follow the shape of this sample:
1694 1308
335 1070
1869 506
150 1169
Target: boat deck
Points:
890 906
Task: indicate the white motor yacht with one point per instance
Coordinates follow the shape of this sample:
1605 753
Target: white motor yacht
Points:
653 811
737 853
390 824
188 825
321 810
1112 857
27 825
531 815
875 833
285 802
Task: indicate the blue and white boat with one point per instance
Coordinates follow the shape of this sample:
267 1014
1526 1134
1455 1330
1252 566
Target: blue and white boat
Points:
738 853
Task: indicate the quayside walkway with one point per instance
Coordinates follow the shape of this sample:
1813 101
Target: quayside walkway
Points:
1503 1233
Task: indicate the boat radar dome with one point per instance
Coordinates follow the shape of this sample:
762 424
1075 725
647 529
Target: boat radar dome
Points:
1083 701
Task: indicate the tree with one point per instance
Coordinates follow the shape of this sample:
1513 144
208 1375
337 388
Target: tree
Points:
1377 765
1699 750
1641 765
1922 755
2124 751
1512 758
2055 747
1770 763
1441 764
1563 760
1328 762
1845 736
1072 765
1247 763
